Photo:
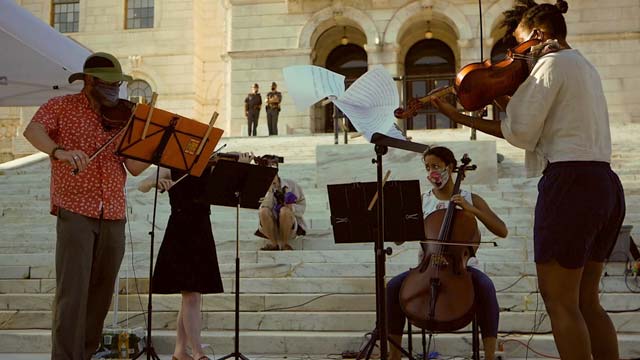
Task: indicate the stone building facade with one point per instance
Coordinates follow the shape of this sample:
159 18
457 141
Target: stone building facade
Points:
203 55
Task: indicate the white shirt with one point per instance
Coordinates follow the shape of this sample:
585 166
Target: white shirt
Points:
559 113
431 203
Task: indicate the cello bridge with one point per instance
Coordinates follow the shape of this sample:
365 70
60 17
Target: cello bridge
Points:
439 260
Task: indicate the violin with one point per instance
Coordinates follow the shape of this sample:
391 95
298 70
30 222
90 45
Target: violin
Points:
438 294
264 160
116 117
113 118
478 84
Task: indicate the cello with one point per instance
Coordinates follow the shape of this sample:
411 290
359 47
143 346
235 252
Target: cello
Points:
438 294
478 84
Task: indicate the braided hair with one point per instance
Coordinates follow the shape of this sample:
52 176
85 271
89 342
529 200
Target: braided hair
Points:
531 14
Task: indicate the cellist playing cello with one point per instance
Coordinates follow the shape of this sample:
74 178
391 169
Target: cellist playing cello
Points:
439 163
559 116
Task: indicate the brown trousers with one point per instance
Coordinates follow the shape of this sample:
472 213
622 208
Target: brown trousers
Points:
88 256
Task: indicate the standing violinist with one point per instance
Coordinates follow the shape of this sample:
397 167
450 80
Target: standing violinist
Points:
187 262
559 116
439 163
90 206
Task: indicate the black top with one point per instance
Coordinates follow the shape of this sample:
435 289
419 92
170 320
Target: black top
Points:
189 195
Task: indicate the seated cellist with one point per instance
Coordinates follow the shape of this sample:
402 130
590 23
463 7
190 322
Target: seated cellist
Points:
439 163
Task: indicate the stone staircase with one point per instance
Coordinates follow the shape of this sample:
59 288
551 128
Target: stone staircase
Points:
318 299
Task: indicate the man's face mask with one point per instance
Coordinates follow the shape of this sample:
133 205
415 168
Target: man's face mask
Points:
107 94
438 178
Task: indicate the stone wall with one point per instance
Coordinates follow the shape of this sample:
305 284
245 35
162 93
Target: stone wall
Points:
267 35
202 56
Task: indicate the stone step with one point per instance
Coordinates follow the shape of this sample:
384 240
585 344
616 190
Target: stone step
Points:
518 322
309 285
43 240
404 254
310 342
330 302
247 271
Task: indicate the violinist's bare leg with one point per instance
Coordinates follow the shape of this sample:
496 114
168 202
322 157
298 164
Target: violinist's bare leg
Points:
604 343
268 228
560 289
287 221
180 350
192 321
394 352
489 346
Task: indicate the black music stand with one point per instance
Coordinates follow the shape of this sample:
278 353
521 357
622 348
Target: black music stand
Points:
238 185
353 222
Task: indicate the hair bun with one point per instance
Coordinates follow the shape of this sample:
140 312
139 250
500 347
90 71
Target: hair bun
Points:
562 5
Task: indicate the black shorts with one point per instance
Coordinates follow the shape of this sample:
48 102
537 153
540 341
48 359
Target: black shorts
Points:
579 212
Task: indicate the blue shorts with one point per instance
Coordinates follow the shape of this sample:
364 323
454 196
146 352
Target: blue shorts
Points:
579 212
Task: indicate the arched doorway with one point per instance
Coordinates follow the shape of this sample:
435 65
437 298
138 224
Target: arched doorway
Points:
429 64
349 60
341 50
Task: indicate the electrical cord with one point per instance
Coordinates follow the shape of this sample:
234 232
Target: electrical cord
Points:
512 284
301 305
135 278
530 348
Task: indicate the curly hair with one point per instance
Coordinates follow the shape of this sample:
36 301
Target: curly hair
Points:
533 15
443 154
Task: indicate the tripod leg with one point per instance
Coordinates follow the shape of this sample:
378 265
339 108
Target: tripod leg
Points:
396 348
475 341
151 353
368 348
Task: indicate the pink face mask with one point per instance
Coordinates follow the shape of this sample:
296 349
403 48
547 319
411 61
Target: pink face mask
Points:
438 178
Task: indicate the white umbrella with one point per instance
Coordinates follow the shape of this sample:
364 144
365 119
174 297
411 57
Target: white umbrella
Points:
35 60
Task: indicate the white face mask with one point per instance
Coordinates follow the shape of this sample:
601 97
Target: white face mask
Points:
438 178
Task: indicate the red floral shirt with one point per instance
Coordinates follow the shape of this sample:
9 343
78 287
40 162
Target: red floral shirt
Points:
100 188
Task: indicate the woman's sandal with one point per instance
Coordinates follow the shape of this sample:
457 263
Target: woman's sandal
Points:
268 247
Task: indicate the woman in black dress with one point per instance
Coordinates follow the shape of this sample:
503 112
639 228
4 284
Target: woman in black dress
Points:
187 262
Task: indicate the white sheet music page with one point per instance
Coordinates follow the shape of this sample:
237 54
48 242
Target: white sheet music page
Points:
369 104
308 84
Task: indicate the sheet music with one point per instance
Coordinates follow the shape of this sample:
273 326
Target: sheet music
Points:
308 84
369 104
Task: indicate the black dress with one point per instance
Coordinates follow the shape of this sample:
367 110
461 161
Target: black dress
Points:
187 260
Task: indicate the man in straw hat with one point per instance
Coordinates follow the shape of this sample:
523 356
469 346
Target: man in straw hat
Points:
89 205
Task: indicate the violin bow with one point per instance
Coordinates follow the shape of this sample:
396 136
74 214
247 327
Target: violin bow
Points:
212 155
152 104
375 196
111 139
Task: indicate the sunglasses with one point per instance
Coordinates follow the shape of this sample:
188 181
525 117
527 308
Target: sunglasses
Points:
102 82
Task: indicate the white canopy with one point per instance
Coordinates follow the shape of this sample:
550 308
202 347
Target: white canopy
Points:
35 60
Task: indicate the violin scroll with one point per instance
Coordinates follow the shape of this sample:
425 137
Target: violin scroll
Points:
412 109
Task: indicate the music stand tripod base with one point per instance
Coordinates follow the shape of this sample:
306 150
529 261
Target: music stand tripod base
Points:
238 185
349 215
